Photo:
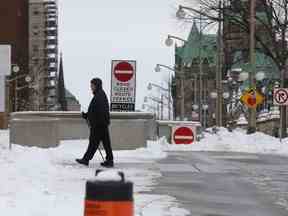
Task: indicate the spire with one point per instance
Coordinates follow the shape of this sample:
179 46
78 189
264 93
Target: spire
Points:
194 33
61 87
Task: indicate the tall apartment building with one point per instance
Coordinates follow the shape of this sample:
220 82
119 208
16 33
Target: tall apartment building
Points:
43 54
14 31
31 28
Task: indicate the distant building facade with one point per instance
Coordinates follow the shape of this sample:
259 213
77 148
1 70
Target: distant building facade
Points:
14 16
31 28
43 53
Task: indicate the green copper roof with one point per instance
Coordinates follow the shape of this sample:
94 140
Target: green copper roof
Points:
262 63
198 45
70 96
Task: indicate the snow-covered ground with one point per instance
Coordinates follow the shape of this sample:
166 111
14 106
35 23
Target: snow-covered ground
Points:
42 182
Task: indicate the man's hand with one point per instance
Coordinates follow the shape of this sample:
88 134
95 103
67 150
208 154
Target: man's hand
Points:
84 115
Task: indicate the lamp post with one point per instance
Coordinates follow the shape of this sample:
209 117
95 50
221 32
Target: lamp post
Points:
205 108
252 111
158 101
158 69
169 42
215 95
162 97
27 78
15 69
181 14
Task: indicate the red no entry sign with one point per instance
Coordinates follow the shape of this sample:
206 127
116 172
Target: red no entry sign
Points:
123 71
183 135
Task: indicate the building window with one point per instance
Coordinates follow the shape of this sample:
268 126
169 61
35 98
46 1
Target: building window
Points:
35 48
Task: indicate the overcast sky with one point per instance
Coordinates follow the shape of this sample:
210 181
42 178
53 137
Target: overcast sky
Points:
92 33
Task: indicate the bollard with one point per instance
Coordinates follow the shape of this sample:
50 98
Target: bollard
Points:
109 195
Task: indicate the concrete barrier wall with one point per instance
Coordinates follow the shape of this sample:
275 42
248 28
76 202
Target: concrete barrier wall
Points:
129 130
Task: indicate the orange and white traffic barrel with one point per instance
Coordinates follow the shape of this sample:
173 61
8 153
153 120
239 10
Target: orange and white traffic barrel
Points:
109 195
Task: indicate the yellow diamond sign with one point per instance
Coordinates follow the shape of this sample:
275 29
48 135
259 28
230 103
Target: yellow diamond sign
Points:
252 98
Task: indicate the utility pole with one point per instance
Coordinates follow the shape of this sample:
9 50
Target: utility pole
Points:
219 99
252 111
200 75
182 109
283 109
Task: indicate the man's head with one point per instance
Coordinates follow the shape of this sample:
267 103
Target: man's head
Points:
95 84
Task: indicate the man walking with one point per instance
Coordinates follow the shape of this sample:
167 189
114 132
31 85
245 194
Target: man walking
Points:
98 118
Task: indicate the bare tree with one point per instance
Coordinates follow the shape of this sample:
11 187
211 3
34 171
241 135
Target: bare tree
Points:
271 29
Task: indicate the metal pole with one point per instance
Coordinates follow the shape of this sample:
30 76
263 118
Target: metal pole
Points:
205 119
219 100
200 76
195 91
15 96
182 96
283 109
161 118
251 111
169 97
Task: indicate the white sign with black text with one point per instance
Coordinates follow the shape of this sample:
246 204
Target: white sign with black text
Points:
123 85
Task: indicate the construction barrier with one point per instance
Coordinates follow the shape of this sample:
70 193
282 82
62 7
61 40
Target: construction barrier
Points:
106 196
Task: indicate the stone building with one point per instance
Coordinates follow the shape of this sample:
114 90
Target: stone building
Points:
195 64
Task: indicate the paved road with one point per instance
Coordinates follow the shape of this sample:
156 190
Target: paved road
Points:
226 184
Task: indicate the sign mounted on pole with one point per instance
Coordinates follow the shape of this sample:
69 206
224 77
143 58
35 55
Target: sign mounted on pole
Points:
5 60
123 85
183 134
280 96
252 98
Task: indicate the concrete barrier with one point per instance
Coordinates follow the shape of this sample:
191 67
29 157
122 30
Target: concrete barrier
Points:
129 130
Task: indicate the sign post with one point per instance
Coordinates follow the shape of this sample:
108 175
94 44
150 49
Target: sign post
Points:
123 85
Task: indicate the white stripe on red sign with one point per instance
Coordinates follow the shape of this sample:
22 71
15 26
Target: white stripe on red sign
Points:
184 137
123 72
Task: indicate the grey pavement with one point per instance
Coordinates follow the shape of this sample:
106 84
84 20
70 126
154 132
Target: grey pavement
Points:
225 184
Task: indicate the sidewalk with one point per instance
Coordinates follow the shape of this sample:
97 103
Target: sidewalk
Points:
212 184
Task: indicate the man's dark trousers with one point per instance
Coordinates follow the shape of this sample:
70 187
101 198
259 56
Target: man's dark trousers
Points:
97 134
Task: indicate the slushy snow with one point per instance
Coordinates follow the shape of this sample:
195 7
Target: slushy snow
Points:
45 182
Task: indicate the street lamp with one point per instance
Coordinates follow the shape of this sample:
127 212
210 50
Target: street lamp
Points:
27 78
214 95
158 69
158 101
205 108
149 87
169 42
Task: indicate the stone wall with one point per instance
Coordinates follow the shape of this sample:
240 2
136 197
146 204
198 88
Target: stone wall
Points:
268 126
129 130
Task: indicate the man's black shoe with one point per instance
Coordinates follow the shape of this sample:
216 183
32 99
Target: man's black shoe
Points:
82 161
107 164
